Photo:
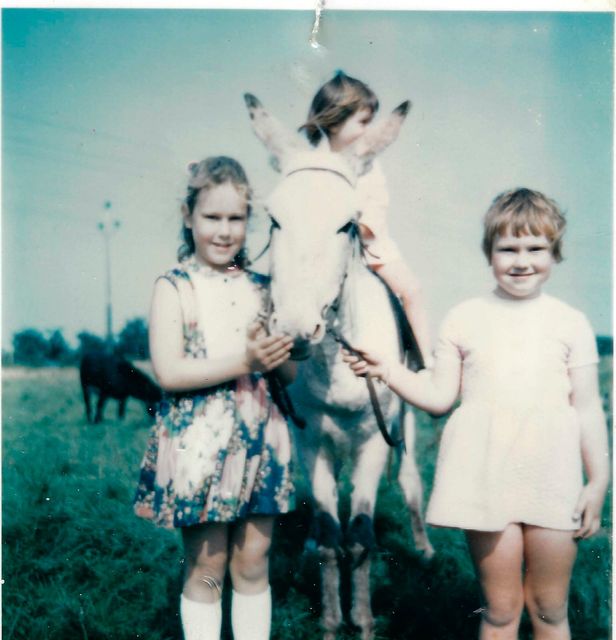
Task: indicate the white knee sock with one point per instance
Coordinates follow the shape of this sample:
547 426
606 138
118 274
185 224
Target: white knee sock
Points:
200 620
251 615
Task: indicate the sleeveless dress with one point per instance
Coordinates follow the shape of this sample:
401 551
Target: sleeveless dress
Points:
511 452
220 453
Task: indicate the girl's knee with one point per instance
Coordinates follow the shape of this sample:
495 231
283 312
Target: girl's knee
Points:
203 579
205 569
550 609
503 611
250 561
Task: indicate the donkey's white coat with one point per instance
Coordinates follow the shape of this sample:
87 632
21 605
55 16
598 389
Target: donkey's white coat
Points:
320 281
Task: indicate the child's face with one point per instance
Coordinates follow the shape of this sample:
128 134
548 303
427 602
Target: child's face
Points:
350 130
521 265
218 224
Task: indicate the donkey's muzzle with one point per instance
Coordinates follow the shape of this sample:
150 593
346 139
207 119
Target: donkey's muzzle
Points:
300 350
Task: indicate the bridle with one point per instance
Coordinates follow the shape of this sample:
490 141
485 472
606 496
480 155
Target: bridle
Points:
357 248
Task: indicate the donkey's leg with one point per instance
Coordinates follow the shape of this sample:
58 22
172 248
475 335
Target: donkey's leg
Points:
360 537
410 482
86 399
328 536
121 408
100 405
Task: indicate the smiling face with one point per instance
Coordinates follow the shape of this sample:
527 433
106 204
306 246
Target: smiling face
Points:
521 264
218 225
350 130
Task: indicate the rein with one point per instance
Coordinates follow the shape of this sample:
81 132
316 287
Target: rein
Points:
374 400
267 246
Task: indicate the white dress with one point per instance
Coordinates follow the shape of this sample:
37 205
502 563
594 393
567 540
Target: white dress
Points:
511 451
373 198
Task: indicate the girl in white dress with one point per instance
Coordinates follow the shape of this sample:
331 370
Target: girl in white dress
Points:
342 109
511 459
218 460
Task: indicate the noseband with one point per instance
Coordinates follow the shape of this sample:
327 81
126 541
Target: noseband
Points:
327 169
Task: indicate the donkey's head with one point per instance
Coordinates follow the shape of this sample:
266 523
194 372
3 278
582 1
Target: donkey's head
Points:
314 213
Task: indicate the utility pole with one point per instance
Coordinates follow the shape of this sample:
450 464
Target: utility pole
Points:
108 227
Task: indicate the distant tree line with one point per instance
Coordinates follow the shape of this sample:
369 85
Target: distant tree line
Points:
35 348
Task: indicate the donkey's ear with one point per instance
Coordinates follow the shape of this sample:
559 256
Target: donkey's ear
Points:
279 140
377 138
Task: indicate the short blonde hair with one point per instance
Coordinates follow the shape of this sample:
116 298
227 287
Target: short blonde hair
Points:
523 212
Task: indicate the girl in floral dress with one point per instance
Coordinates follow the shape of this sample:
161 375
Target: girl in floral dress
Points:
218 460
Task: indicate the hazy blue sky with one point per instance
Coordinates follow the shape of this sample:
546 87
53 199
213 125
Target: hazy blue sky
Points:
112 105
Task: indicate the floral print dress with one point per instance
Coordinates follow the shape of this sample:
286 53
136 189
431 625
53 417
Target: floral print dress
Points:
223 452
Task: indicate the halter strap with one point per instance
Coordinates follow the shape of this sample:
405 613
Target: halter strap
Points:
266 247
334 171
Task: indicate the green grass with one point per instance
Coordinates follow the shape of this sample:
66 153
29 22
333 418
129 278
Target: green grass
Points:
78 564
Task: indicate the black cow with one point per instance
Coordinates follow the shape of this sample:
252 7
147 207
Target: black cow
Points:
114 377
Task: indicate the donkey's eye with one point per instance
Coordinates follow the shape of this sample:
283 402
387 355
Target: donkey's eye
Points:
275 223
345 228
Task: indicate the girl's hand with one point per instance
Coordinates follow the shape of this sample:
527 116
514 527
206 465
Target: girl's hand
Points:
588 508
263 352
366 364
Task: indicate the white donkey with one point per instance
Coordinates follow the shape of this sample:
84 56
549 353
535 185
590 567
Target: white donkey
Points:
321 291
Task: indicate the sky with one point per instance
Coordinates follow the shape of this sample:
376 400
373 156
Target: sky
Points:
110 105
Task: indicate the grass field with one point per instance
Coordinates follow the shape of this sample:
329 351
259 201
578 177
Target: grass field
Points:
78 564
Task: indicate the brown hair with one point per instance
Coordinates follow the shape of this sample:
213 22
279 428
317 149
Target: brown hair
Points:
523 212
334 102
207 174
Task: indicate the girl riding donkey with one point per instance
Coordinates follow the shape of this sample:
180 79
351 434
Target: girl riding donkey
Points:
341 112
217 463
509 470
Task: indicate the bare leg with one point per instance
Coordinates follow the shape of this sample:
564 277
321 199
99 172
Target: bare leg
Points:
498 561
251 612
249 566
549 555
205 549
405 284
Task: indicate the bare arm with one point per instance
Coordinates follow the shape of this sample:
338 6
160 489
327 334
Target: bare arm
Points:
175 372
587 401
434 391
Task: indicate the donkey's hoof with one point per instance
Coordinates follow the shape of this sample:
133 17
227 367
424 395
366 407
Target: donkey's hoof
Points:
329 635
426 552
367 634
